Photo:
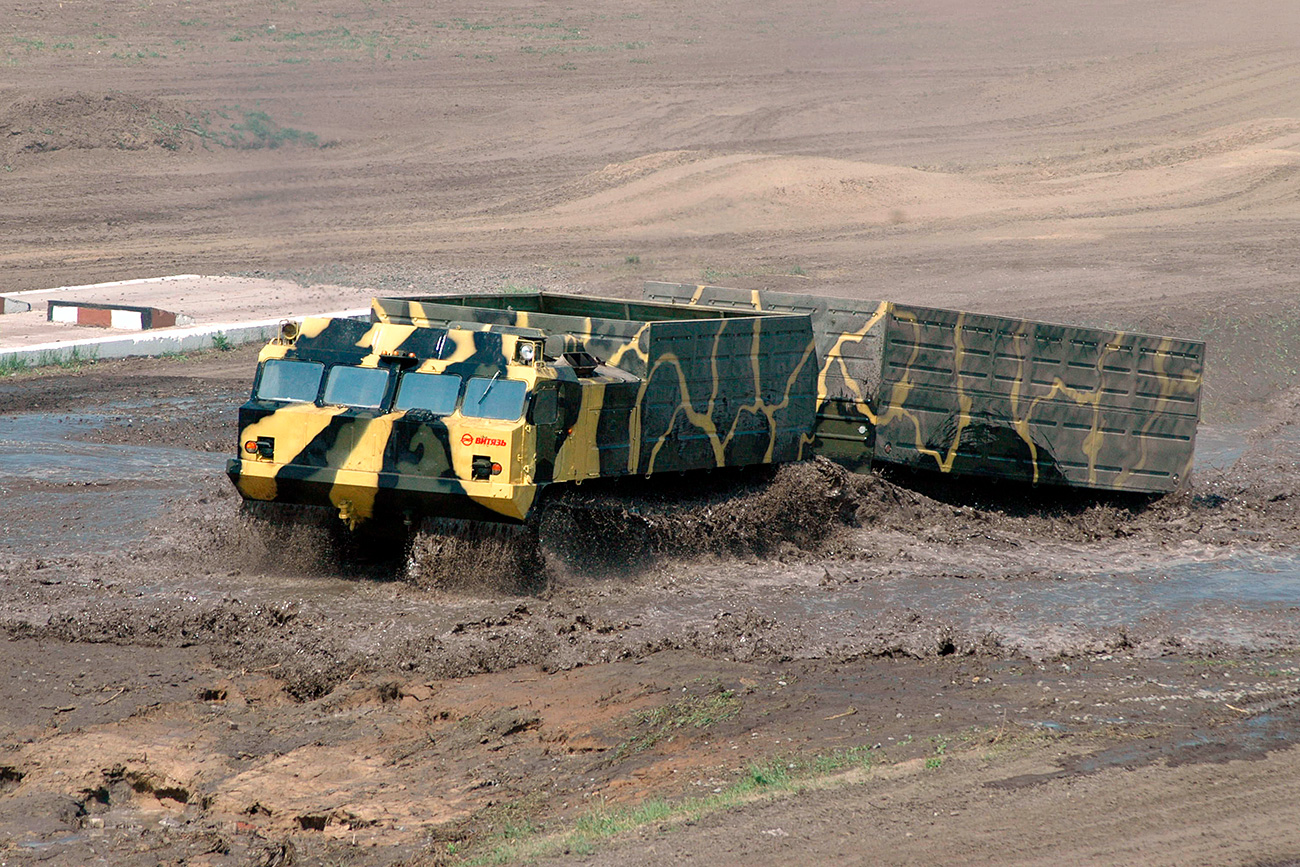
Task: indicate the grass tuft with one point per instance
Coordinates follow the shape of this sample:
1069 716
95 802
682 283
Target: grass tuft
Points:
690 712
71 359
11 364
236 128
601 821
257 130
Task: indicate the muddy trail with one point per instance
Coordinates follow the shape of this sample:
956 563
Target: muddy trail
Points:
128 533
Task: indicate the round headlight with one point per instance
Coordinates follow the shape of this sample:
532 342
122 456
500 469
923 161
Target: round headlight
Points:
527 352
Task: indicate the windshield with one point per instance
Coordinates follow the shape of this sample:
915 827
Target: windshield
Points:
290 380
435 392
356 386
494 398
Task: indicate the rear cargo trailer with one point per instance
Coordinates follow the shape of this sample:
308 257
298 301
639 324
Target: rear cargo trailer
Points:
971 394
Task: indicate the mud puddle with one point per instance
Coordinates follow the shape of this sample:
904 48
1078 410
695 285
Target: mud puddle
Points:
1247 600
944 581
1219 447
65 493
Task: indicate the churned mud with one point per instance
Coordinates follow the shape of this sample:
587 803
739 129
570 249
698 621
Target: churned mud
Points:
200 683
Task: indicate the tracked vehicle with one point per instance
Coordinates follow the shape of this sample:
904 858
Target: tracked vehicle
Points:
471 406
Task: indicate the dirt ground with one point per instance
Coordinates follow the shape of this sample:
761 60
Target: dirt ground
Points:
924 673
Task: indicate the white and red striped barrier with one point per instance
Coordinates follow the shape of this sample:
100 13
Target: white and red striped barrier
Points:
121 316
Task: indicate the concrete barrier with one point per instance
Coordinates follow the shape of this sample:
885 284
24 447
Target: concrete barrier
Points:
126 317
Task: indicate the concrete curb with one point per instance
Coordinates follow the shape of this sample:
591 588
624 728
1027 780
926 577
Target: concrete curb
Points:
172 340
126 317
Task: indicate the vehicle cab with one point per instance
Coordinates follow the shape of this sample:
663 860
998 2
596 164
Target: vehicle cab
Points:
395 421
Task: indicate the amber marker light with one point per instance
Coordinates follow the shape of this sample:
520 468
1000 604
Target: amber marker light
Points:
251 447
496 469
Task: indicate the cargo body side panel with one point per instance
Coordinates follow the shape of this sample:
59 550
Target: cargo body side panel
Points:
973 394
726 392
849 336
991 396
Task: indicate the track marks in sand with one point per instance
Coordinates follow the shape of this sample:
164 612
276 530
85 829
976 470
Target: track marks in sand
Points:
670 194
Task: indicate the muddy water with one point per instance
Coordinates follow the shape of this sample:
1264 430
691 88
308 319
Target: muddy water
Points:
1218 447
1247 600
66 495
1241 601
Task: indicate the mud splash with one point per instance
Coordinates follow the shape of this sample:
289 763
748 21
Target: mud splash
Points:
803 562
622 527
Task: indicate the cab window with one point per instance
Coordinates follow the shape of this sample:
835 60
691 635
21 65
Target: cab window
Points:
494 398
296 381
356 386
433 392
545 406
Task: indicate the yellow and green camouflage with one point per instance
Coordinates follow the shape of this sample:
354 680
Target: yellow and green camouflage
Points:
974 394
468 407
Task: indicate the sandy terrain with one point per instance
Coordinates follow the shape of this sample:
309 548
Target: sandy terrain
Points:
934 674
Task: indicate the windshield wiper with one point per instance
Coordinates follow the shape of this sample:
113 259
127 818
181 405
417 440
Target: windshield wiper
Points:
482 397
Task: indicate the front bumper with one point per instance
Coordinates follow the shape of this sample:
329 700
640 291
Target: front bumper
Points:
361 496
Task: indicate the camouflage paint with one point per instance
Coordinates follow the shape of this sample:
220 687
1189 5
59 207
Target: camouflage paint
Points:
361 461
675 390
700 388
974 394
710 378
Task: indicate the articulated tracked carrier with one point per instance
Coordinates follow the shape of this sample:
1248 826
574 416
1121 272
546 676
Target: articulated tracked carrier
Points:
470 406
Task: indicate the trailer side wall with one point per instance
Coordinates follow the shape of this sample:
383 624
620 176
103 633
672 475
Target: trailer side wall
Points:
982 395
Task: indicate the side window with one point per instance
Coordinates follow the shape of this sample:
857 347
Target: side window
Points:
297 381
356 386
544 406
494 398
434 392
